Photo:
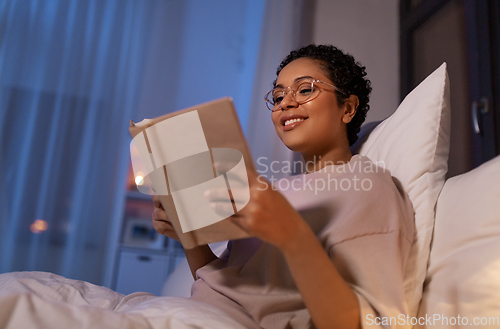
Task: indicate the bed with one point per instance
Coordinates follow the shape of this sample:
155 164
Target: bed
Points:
45 300
453 268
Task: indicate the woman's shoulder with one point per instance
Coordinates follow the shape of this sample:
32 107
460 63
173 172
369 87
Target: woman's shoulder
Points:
382 181
359 164
377 205
369 174
375 181
357 178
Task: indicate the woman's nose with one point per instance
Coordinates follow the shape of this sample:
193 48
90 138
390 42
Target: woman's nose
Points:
288 102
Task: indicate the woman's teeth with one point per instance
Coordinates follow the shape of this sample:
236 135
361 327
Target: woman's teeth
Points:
289 122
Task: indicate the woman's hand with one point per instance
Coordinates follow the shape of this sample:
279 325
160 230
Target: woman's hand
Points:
196 257
268 215
161 224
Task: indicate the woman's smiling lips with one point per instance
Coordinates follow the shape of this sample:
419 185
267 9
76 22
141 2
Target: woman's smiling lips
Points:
291 121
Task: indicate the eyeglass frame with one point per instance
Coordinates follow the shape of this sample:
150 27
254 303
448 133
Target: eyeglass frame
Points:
313 81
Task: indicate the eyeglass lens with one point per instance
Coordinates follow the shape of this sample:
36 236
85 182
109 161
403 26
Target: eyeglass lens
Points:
301 92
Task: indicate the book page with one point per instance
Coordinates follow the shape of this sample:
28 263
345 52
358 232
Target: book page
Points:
188 153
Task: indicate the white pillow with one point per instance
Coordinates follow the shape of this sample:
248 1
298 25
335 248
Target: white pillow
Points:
464 268
413 144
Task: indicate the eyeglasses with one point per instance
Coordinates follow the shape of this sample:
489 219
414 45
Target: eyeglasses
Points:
301 91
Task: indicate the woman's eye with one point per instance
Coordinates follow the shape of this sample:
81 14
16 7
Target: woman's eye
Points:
278 96
305 90
277 99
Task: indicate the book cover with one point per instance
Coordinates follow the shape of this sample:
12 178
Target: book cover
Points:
186 153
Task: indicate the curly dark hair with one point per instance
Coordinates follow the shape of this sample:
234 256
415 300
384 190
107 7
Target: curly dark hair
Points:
345 73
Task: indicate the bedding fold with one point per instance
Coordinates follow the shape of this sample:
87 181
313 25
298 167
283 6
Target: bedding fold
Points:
48 301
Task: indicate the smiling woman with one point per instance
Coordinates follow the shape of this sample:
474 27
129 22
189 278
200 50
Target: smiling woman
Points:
318 260
322 129
329 68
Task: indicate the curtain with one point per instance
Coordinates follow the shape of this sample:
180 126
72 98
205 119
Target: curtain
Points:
69 80
72 73
286 27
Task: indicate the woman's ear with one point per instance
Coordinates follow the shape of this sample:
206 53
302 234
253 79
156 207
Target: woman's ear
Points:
350 107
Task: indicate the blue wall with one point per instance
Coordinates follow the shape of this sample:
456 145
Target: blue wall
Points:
200 51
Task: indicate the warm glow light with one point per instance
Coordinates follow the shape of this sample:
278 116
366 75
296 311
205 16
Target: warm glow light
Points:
39 226
139 180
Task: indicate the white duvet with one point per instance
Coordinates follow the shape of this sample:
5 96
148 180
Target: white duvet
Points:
45 300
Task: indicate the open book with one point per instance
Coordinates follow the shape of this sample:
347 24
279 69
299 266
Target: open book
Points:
182 155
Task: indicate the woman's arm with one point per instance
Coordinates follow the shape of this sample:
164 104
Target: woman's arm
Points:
196 257
330 301
269 216
199 257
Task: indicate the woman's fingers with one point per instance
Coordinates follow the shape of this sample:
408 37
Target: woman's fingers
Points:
159 214
222 208
216 194
221 194
157 202
161 224
226 203
165 228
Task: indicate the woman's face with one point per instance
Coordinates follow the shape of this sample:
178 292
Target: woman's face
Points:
322 122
